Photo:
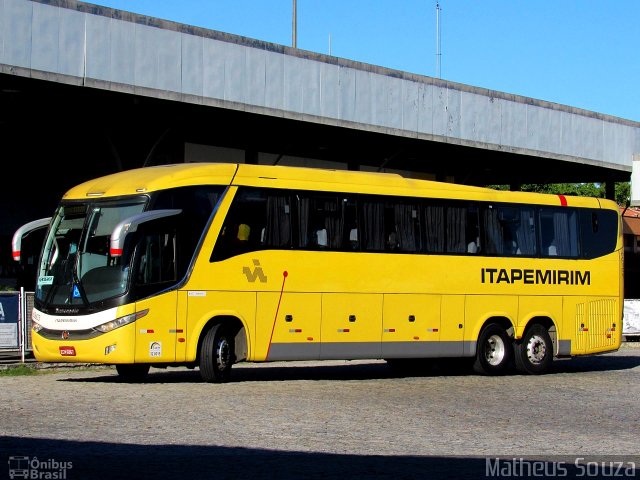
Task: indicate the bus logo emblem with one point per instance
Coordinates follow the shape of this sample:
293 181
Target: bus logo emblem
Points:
257 272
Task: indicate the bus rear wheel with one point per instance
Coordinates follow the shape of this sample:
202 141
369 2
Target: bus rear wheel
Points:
534 353
493 352
135 373
216 355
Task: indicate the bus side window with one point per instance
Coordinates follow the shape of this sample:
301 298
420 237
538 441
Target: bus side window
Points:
472 232
329 222
324 221
559 232
525 232
351 236
433 221
595 231
493 231
256 220
407 227
373 227
158 262
278 224
459 220
456 226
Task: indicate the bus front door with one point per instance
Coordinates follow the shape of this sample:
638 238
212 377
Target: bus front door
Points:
156 331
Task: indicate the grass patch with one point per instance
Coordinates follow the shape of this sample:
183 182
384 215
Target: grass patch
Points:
17 371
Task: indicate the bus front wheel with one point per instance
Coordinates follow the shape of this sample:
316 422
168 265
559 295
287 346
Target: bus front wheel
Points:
216 355
534 353
493 352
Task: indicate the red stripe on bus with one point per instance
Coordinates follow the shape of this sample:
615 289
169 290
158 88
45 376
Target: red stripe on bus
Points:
285 274
563 200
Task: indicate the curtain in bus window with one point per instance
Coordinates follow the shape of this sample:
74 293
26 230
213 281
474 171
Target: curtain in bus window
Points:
321 222
373 226
303 222
333 223
278 229
406 218
493 232
565 234
349 225
526 233
456 223
434 228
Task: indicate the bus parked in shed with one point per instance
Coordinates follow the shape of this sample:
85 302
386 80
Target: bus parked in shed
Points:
207 265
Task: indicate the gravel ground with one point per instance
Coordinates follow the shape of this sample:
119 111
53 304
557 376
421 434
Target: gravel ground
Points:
329 419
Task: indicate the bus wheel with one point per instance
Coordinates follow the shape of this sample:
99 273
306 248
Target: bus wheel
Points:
534 353
216 355
135 373
493 351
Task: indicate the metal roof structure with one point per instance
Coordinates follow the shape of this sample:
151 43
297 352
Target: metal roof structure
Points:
88 90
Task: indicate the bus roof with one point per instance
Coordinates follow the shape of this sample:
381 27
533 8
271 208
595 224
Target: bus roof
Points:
150 179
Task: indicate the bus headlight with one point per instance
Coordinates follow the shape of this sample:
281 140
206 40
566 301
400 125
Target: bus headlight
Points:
36 327
120 322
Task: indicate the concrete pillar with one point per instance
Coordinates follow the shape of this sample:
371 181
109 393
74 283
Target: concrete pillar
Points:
610 190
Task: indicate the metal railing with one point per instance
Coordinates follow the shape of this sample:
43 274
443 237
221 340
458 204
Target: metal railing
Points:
15 322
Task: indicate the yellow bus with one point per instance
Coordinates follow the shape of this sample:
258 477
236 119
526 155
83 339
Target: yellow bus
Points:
207 265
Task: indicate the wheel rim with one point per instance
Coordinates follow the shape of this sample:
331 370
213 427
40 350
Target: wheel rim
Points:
536 349
494 351
223 353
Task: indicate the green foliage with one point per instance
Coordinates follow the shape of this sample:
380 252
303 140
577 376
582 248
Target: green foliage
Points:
622 189
623 193
18 371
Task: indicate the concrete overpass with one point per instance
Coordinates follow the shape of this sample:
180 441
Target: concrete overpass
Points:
87 90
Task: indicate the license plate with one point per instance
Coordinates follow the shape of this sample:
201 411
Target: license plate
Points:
68 351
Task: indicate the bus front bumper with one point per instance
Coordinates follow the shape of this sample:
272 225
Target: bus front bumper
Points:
117 346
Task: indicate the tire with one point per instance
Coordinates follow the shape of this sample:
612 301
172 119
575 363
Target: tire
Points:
216 355
534 352
132 373
493 352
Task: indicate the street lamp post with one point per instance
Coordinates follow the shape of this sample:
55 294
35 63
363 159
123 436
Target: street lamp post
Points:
294 40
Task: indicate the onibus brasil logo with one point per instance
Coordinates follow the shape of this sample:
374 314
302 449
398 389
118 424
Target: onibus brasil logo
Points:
27 467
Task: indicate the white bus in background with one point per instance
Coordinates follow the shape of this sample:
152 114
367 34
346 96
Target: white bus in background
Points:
631 316
631 320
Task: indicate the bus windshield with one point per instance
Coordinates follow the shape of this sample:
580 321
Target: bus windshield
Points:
76 268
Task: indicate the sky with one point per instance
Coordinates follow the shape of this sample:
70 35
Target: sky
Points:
581 53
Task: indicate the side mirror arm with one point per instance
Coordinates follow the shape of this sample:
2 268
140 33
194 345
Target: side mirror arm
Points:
16 242
130 225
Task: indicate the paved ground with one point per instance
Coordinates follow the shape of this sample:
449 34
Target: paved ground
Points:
327 420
